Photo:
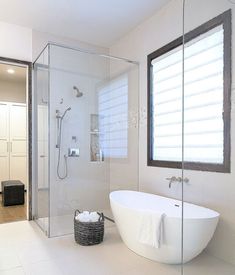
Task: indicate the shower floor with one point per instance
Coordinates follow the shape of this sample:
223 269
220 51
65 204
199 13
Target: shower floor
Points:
63 225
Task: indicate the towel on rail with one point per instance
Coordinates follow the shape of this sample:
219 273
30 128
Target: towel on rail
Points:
151 231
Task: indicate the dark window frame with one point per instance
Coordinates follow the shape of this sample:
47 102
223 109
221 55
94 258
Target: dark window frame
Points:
223 19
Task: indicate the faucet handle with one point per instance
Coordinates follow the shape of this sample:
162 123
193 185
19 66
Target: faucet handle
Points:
185 180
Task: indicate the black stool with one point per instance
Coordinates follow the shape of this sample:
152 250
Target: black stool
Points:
12 192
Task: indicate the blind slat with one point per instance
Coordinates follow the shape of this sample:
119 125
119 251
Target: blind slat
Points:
203 101
113 118
169 75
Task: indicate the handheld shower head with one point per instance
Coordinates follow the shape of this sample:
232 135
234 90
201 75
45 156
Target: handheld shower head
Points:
78 94
68 109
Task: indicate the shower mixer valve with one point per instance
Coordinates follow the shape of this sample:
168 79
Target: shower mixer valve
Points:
73 152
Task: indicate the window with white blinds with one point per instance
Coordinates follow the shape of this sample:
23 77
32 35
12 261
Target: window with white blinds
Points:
113 117
203 101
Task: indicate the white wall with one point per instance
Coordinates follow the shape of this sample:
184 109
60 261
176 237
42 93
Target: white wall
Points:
12 91
214 190
25 44
16 42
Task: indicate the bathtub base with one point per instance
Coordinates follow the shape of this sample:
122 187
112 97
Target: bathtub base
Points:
199 225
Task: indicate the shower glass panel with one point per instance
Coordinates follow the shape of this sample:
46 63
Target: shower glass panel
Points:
41 192
165 143
93 141
207 137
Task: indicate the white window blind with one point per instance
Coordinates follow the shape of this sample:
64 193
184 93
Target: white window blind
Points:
113 118
203 112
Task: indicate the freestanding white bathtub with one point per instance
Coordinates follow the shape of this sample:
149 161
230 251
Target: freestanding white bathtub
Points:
199 225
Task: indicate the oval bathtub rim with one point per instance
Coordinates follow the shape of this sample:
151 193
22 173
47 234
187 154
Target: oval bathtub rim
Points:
215 215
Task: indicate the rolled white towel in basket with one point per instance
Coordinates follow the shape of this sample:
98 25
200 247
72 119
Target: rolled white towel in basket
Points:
86 212
85 216
94 216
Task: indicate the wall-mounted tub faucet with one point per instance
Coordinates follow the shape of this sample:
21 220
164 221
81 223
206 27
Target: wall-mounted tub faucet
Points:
172 179
176 179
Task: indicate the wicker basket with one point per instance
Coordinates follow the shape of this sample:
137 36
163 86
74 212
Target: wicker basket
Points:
88 233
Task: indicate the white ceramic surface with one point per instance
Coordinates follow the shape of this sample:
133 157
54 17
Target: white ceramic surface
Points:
199 225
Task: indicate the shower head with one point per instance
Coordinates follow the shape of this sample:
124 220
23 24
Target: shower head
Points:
78 94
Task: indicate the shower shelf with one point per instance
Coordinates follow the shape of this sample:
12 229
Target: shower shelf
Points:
95 150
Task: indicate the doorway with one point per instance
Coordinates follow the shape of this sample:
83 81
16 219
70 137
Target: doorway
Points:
15 140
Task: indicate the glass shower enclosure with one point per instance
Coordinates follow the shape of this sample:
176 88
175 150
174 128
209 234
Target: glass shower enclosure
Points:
86 133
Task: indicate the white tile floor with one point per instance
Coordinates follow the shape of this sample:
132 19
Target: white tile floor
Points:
25 250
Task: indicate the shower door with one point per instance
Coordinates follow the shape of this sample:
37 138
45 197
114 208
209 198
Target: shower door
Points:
209 137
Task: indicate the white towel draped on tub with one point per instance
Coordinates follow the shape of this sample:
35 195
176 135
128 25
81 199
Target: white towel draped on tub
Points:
151 228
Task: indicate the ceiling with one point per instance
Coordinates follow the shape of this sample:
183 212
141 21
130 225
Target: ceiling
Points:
100 22
19 74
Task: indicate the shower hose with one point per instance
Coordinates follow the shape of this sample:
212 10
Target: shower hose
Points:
62 177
